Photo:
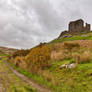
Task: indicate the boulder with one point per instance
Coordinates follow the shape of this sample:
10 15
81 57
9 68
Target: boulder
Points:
68 66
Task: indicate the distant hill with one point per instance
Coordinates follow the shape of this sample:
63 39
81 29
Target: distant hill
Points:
6 50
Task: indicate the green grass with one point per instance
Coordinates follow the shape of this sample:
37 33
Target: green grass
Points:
73 80
38 78
4 55
68 80
11 82
72 39
26 89
29 89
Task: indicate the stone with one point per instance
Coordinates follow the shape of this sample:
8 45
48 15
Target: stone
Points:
63 66
73 65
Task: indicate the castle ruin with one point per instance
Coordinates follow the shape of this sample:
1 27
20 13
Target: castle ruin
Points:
77 27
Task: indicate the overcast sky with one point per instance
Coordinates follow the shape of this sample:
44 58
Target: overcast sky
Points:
26 23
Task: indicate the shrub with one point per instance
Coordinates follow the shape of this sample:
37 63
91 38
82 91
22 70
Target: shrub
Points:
38 58
85 57
17 61
11 60
20 62
70 45
57 47
20 53
60 55
47 75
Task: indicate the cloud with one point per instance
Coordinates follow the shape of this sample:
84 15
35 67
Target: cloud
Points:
26 23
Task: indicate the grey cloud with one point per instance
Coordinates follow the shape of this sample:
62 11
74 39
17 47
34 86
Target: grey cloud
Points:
47 15
26 23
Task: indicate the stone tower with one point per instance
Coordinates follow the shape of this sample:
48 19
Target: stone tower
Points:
87 27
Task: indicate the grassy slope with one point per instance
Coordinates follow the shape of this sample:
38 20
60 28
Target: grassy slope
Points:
73 38
76 37
74 80
36 77
66 80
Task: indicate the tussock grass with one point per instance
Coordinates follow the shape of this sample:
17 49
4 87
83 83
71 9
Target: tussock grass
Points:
85 57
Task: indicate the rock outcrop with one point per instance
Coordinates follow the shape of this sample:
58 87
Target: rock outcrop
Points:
76 27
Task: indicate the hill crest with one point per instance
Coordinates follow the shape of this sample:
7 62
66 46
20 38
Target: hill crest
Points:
76 27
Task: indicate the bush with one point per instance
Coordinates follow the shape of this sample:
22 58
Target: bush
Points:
38 58
20 62
20 53
85 57
70 45
17 61
47 75
60 55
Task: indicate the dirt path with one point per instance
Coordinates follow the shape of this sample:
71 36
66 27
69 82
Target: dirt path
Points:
40 88
9 82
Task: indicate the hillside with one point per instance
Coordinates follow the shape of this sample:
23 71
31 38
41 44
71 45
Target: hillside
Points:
77 79
63 65
83 36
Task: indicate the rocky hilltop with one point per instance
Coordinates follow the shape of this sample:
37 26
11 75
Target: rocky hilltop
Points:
76 27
